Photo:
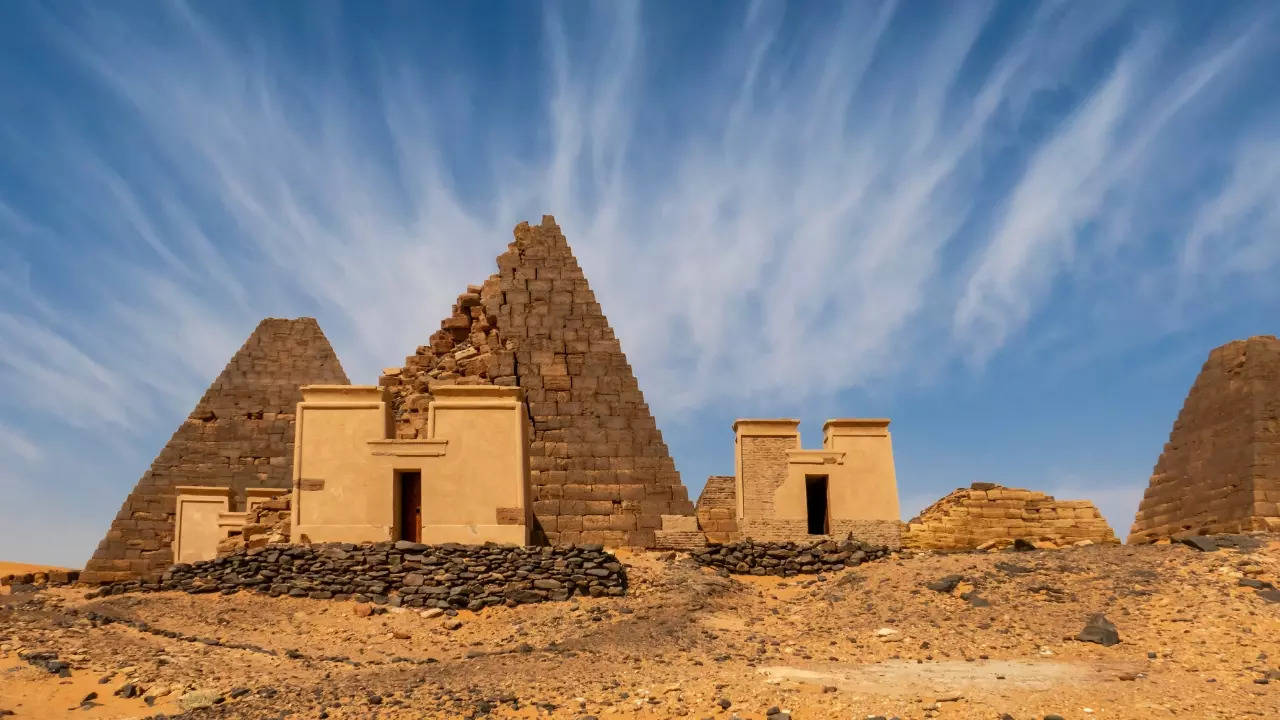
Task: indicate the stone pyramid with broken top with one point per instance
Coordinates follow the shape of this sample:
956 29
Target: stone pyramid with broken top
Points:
1220 470
600 470
239 436
987 515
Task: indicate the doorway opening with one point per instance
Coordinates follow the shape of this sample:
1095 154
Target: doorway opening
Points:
815 490
409 492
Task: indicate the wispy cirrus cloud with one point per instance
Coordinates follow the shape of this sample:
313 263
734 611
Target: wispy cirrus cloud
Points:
789 206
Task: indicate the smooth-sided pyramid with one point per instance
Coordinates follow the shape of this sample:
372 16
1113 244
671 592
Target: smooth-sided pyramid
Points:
600 470
240 435
1220 470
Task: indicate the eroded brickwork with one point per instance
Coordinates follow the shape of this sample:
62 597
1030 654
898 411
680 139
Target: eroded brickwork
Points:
988 513
240 435
268 523
1220 470
601 472
717 509
467 350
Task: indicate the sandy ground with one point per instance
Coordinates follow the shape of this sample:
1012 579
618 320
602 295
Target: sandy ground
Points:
1194 643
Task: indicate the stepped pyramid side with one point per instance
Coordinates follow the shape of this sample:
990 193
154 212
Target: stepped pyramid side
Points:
1220 470
600 469
239 435
985 512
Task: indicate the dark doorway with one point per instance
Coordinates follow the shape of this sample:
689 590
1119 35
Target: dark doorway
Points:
410 490
815 490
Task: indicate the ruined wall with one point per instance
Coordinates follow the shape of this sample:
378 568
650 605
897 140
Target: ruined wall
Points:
601 472
239 435
1220 470
990 513
467 350
717 509
270 522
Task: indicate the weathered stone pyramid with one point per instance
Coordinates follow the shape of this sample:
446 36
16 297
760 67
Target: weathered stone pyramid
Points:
1220 470
600 470
988 513
239 435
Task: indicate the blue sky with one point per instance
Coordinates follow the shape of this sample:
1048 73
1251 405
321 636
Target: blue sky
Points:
1015 229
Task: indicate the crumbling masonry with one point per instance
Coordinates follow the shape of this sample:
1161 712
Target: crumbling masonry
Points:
599 468
989 515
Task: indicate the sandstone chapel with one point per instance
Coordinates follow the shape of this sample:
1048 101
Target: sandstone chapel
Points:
518 422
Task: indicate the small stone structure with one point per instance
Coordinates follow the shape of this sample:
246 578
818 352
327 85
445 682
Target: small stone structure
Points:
466 480
989 515
781 492
238 437
1220 470
401 574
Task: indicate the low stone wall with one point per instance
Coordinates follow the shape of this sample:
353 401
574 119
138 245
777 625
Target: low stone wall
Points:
788 558
41 579
987 515
402 574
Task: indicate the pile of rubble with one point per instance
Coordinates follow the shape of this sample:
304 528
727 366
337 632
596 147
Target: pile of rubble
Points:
268 523
788 558
402 574
987 516
466 350
38 580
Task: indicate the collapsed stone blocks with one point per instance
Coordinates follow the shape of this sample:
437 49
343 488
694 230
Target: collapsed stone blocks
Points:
987 515
267 523
40 579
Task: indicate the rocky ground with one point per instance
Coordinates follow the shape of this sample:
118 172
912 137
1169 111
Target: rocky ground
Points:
928 636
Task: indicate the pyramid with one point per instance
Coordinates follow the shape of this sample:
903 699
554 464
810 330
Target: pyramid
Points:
599 468
987 514
239 435
1220 470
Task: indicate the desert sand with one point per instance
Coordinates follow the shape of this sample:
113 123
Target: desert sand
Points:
1199 637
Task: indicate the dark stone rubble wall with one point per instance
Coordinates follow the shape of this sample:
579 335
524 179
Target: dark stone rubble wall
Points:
788 558
402 574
